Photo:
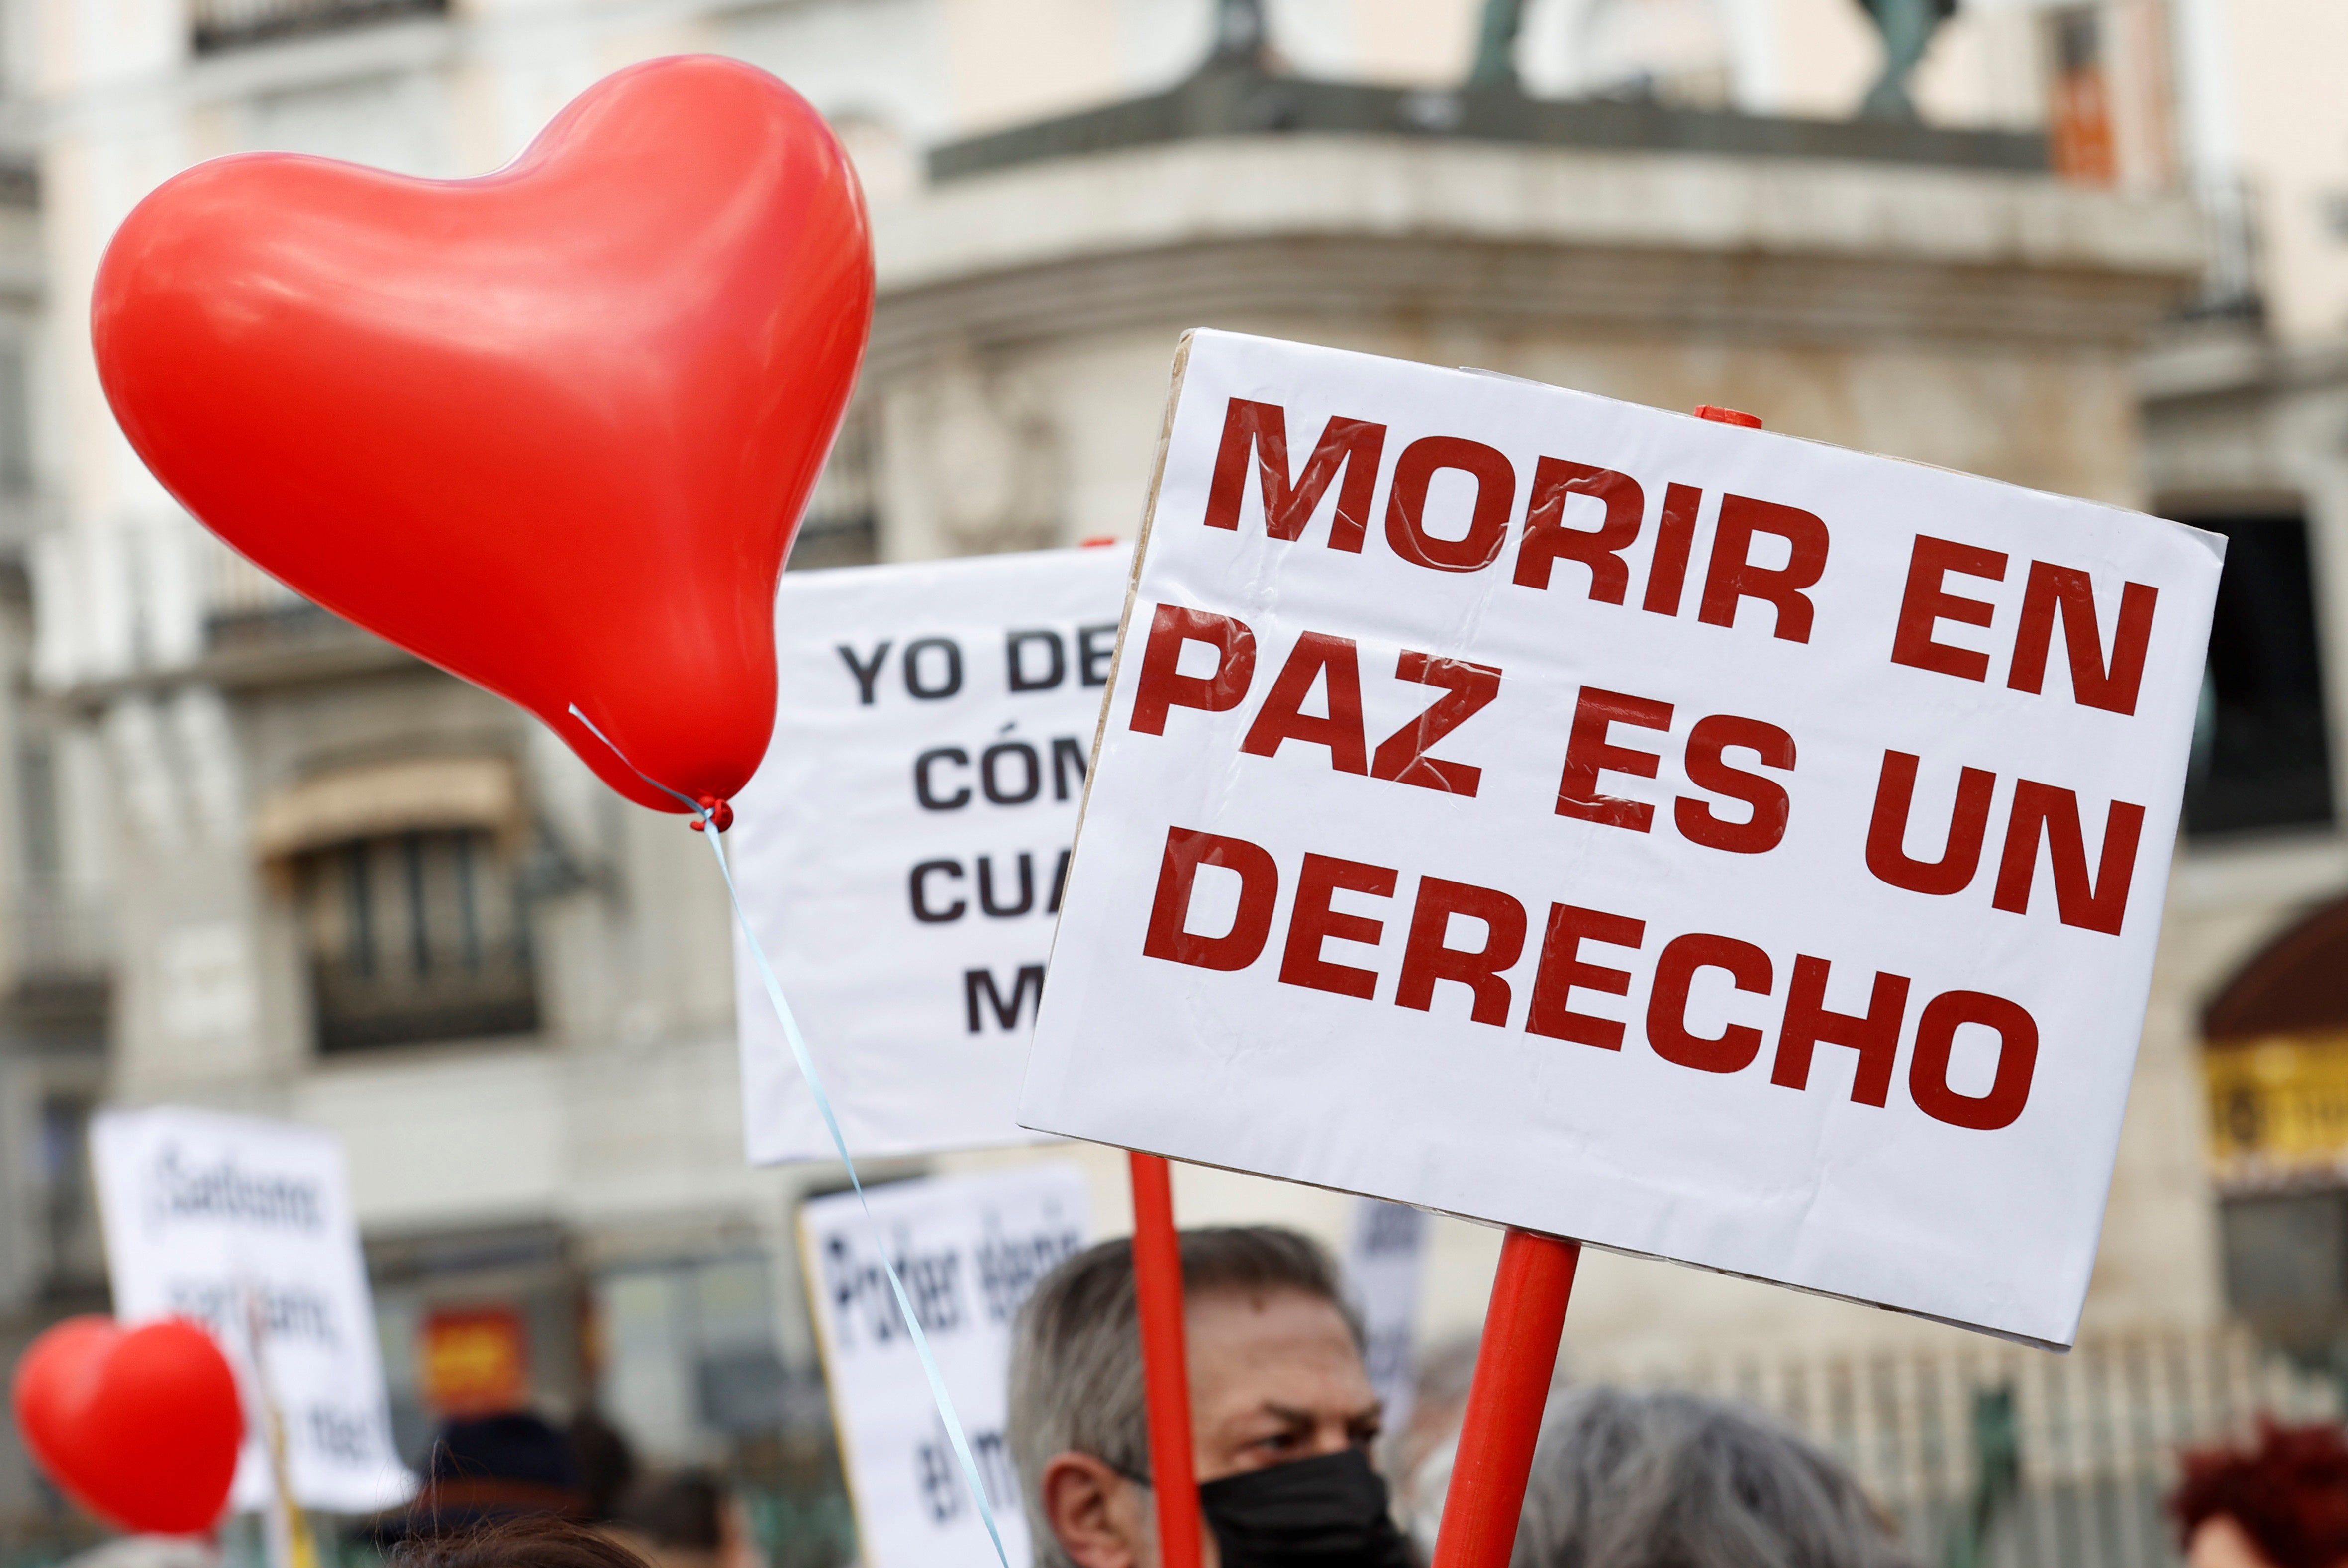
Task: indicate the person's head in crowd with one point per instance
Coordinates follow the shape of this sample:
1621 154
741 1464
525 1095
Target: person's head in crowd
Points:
531 1541
688 1519
1283 1414
1626 1480
485 1469
607 1462
2280 1503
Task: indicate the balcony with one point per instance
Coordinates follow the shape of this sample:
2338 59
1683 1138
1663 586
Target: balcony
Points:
415 936
2231 290
244 607
233 23
250 630
362 1006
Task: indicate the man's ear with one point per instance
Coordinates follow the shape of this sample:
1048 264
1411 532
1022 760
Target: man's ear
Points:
1095 1512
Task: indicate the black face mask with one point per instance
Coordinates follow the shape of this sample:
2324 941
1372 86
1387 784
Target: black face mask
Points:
1324 1513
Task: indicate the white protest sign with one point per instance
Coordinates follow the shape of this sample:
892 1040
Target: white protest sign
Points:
1382 1266
900 851
969 1249
233 1222
1680 837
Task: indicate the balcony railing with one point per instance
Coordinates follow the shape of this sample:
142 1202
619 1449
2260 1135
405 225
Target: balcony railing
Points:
2232 289
244 607
395 1004
230 23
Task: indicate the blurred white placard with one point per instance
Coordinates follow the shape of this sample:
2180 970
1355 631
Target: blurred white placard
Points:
235 1221
969 1249
1685 838
1383 1248
900 851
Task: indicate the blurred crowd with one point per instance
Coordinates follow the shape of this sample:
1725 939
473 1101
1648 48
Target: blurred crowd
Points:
1293 1464
489 1470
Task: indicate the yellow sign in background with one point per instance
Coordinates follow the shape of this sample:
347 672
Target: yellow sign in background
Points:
2278 1106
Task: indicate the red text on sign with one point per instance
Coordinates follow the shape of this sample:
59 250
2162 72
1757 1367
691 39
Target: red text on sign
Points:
2050 593
1435 952
2038 814
1328 665
1590 751
1342 471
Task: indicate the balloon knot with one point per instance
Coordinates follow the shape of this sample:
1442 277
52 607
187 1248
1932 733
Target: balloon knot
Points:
717 811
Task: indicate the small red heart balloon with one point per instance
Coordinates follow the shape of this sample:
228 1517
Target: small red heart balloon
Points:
142 1427
551 428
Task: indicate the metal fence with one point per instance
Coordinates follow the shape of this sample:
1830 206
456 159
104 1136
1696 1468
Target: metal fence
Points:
2020 1459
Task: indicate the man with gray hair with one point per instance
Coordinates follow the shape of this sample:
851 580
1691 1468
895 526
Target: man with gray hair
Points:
1283 1414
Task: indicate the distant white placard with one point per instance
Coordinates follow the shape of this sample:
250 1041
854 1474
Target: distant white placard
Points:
231 1221
1382 1269
1686 838
969 1249
901 848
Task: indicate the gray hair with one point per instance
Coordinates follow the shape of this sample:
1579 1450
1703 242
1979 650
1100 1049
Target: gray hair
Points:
1626 1480
1076 1354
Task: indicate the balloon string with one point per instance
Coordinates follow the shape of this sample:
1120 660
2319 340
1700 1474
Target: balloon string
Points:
938 1393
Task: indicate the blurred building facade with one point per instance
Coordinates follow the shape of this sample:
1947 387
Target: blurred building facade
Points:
2246 416
257 860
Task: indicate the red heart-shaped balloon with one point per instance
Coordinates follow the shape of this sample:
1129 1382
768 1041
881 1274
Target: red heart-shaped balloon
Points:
142 1427
551 428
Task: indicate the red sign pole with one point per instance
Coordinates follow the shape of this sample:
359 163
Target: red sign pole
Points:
1164 1363
1515 1360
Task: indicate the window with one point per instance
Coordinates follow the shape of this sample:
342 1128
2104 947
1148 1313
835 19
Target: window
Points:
2286 1266
415 936
68 1216
37 810
16 426
2259 754
60 947
841 527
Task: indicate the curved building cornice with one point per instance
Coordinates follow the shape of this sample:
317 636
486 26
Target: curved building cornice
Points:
1236 230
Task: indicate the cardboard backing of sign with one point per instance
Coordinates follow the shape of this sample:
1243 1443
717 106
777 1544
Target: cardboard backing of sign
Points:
1684 838
901 849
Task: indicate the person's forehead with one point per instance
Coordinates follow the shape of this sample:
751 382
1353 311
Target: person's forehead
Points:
1281 1332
